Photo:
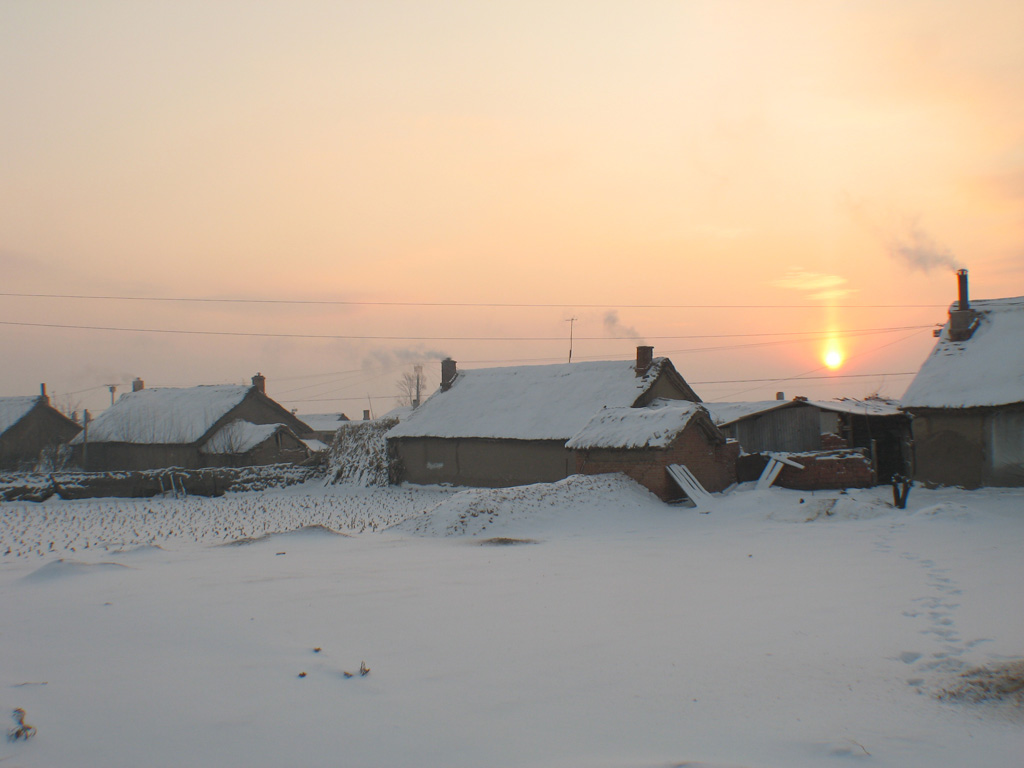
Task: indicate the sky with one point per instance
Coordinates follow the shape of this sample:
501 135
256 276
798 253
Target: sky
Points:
331 192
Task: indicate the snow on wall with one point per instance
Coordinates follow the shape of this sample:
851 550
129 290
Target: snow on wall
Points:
623 427
13 410
239 437
985 370
164 415
531 402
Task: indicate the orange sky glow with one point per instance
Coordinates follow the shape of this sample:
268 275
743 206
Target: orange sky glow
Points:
743 185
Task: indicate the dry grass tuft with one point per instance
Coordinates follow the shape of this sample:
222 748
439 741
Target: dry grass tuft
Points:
990 684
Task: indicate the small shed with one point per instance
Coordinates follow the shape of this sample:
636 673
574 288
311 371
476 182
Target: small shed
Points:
876 424
769 425
967 401
244 444
643 443
29 426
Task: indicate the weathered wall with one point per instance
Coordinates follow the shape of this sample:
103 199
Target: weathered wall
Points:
279 448
107 457
481 462
828 470
259 409
713 464
786 429
664 387
41 427
969 447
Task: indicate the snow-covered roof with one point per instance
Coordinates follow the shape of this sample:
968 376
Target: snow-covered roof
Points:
164 416
985 370
869 406
655 426
14 409
316 446
324 422
239 437
726 413
530 402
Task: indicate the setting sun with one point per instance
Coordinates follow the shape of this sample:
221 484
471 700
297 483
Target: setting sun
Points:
833 357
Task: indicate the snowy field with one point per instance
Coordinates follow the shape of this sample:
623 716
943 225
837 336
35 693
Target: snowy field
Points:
577 624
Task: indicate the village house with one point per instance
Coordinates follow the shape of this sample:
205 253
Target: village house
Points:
28 427
967 401
642 443
496 427
875 424
192 427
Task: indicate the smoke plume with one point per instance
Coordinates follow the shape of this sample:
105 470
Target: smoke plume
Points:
918 250
617 329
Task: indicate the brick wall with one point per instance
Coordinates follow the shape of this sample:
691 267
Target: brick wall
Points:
850 468
833 442
713 464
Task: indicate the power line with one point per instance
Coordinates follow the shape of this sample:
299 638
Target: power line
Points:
512 305
354 337
807 374
805 378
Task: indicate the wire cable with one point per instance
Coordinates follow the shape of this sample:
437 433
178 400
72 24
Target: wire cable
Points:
483 304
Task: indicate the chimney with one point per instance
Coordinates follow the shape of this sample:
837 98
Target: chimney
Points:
961 283
366 414
962 320
644 358
138 385
780 395
42 393
449 371
260 382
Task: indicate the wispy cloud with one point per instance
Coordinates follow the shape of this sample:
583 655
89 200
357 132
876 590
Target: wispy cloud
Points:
820 286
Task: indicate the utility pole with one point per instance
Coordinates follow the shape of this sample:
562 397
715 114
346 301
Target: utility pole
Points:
571 321
419 378
86 418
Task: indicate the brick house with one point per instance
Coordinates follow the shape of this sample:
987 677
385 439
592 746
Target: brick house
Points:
642 442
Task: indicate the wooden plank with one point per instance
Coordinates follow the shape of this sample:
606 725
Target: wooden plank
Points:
689 485
786 460
771 471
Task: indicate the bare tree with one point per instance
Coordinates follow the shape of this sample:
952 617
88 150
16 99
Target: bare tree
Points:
412 387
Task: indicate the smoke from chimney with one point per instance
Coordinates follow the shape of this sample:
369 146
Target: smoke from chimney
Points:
918 250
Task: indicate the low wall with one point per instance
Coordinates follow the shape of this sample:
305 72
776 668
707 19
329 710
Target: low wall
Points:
148 483
828 470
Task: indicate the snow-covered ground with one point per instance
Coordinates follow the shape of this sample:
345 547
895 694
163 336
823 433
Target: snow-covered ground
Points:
578 624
